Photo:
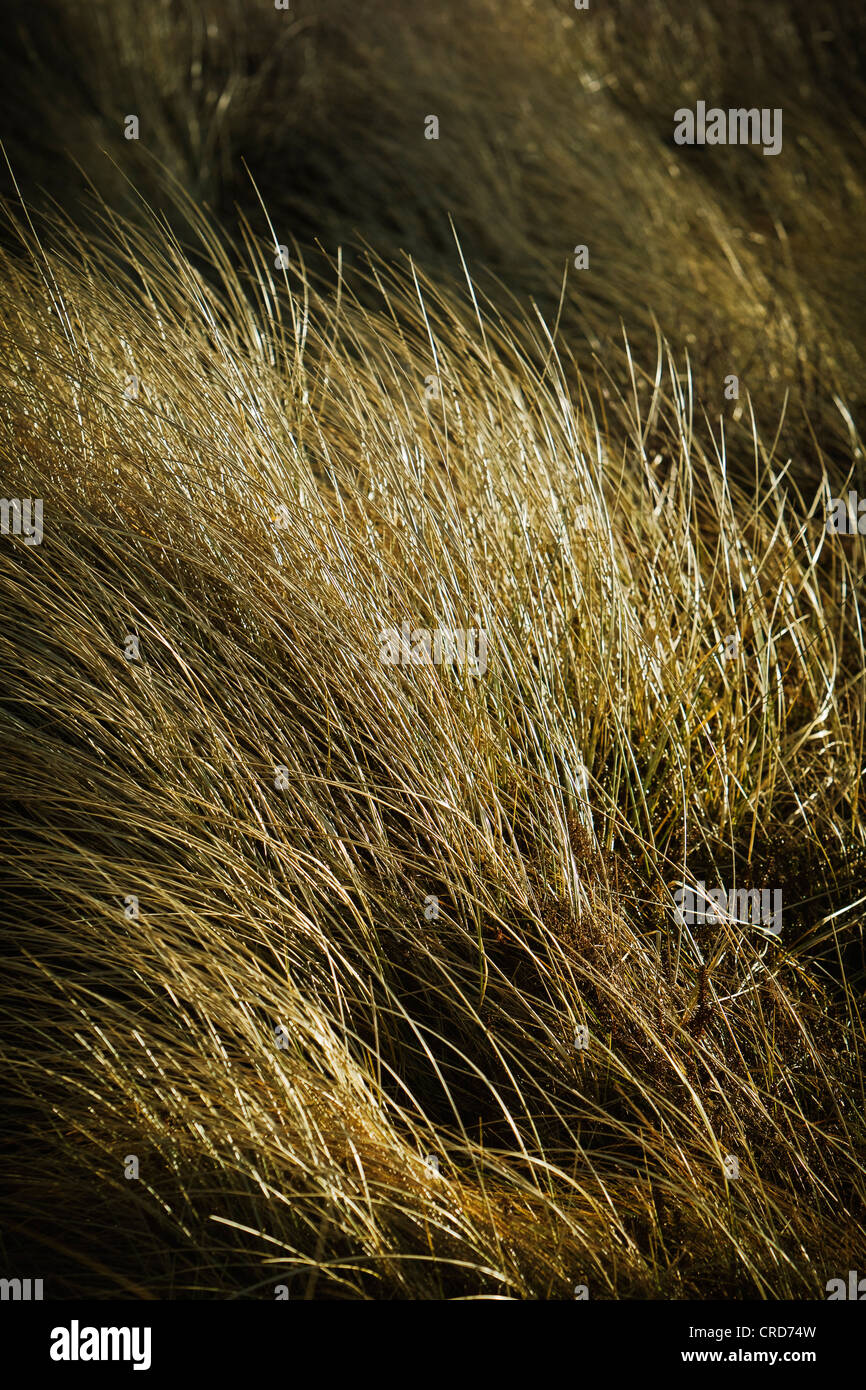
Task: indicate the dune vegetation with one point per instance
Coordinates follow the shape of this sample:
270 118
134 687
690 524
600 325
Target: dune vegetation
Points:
327 976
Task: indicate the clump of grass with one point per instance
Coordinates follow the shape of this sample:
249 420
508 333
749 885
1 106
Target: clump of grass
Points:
283 1037
752 264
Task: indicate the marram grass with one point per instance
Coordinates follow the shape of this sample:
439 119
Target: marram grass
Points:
377 904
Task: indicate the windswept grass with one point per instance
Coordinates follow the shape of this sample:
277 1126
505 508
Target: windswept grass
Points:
556 130
314 457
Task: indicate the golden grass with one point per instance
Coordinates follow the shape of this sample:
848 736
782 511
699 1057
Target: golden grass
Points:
595 505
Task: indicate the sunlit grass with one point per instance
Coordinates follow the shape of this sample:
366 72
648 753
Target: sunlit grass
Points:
609 532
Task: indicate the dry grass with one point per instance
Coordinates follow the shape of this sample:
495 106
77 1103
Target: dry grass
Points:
594 504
